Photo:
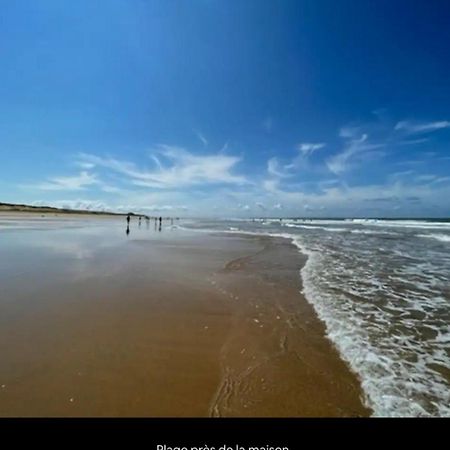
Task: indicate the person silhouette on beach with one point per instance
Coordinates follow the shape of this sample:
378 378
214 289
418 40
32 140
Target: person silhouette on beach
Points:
128 220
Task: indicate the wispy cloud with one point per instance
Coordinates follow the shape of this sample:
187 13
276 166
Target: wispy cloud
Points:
426 178
85 165
290 167
309 148
175 168
201 138
355 148
275 169
308 181
413 127
438 180
74 183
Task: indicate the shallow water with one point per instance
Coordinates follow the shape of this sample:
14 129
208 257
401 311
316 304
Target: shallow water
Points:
382 288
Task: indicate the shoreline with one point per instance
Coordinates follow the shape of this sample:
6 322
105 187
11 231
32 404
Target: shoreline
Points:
166 324
296 347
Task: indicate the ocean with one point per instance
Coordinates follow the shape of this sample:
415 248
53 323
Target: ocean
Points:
382 288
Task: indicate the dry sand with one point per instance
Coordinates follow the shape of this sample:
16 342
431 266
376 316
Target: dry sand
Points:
189 325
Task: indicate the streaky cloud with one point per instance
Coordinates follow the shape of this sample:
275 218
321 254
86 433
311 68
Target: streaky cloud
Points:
412 127
309 148
175 168
73 183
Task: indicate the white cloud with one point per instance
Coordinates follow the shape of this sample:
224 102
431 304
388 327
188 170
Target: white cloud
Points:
421 127
79 204
176 168
165 208
85 165
293 185
274 169
97 205
75 183
366 200
110 189
152 208
271 185
350 132
308 148
356 148
299 162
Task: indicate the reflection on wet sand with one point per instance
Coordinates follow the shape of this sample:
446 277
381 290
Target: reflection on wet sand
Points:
160 324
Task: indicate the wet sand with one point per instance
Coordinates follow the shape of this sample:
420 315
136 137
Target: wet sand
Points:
97 323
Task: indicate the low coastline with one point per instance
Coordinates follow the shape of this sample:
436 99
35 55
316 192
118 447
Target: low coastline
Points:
168 324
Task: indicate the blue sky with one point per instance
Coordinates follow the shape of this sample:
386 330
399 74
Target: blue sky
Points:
227 108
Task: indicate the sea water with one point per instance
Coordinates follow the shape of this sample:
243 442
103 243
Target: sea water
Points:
382 288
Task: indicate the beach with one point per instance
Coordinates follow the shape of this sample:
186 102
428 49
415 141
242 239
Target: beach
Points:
170 323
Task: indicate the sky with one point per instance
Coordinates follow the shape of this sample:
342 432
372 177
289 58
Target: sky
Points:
208 108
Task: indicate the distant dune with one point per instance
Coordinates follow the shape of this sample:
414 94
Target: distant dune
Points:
11 207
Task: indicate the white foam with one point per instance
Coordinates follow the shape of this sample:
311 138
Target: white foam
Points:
393 385
438 237
420 224
374 232
316 227
388 320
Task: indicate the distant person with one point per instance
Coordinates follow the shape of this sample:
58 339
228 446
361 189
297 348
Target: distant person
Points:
128 219
140 218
